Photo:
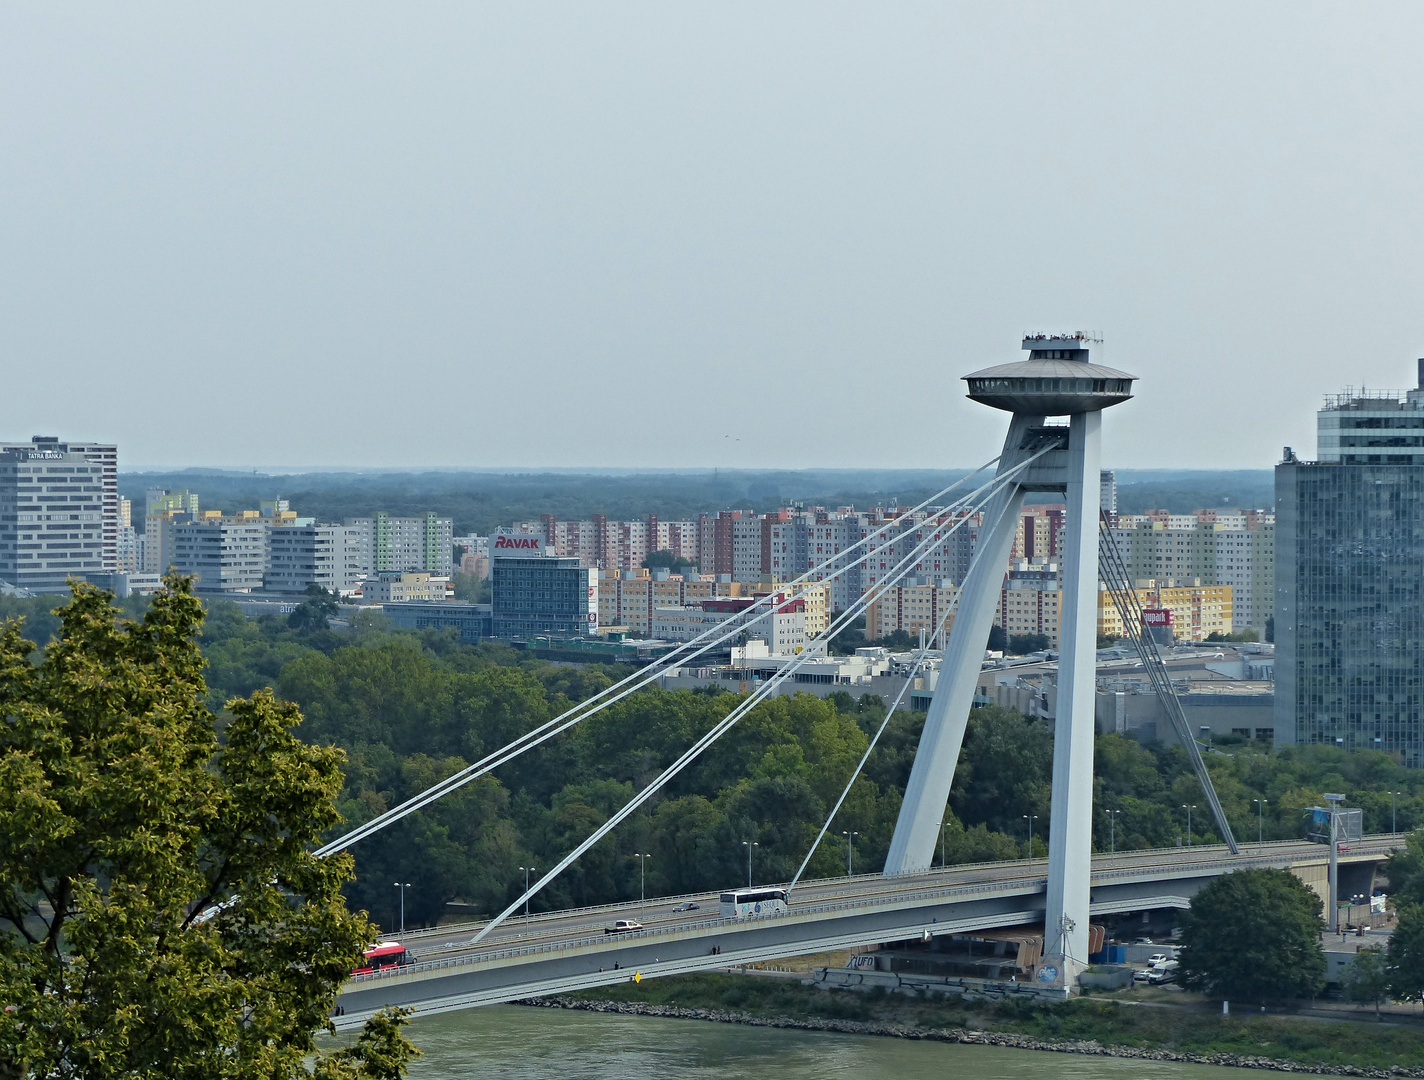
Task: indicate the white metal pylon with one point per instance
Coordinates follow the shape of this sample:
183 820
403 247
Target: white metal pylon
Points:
1056 380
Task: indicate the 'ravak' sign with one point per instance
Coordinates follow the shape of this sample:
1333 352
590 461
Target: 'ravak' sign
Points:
517 544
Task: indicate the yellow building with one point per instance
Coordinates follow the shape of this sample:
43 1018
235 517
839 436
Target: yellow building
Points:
629 597
1197 610
910 608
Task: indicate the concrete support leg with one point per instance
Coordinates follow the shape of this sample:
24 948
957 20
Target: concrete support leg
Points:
1070 842
917 831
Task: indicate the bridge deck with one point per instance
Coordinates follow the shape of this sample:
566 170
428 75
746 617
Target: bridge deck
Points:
562 951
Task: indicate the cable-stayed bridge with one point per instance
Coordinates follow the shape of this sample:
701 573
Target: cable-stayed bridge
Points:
565 951
510 957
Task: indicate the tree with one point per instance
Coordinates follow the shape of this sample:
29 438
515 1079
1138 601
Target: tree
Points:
998 639
1367 979
1253 935
160 911
1406 954
666 560
315 612
1027 643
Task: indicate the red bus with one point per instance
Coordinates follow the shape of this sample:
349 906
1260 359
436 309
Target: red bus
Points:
381 956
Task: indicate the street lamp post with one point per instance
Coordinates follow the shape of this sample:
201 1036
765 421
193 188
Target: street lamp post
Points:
942 862
402 886
749 844
1189 810
527 871
1392 794
1030 818
850 851
1260 819
1333 870
643 857
1112 831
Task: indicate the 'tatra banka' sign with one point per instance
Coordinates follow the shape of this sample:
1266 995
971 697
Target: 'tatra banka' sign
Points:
508 542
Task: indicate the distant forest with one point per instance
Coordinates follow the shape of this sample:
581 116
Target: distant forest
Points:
481 501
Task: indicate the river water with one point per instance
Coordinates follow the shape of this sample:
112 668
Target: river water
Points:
519 1042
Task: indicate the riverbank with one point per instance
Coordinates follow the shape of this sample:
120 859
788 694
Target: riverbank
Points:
1082 1026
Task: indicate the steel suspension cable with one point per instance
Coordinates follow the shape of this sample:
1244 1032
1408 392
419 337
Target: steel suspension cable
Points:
707 640
920 659
988 491
1113 570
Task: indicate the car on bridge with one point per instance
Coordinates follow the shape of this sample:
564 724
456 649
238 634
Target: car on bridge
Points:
689 906
623 926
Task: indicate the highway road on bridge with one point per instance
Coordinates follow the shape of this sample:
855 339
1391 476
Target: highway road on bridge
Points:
557 951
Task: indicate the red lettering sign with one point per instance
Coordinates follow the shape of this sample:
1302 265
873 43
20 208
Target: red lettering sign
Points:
529 542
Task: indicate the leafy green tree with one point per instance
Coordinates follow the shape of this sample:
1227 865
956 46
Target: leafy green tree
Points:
1027 643
666 560
1406 954
316 611
1004 772
1253 935
1367 978
160 912
998 638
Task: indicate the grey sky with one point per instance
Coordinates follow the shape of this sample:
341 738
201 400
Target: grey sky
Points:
684 235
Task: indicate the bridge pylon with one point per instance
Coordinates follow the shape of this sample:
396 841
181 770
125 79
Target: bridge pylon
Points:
1057 380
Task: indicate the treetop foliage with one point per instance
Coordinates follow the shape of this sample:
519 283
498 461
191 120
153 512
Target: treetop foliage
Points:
1254 935
160 913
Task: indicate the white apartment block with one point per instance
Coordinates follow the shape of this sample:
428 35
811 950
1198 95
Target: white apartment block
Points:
1212 547
302 555
223 554
783 631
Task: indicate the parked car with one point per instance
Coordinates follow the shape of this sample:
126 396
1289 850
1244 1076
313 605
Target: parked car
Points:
1157 959
1163 973
689 906
1142 941
623 926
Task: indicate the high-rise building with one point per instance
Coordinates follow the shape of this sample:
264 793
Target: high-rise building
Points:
1107 493
535 593
223 554
386 543
59 512
1350 578
302 555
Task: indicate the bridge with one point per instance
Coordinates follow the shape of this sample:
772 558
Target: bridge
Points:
565 951
510 957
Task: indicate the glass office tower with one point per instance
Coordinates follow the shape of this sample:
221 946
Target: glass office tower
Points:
1350 578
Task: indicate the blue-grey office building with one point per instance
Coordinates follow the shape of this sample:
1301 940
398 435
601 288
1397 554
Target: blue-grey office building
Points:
473 621
535 595
1349 616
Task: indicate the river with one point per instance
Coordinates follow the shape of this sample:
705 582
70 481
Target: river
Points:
517 1042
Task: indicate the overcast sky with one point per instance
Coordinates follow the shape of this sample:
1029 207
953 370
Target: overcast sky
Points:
696 235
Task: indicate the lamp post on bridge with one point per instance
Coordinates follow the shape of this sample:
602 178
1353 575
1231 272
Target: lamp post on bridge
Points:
527 871
942 862
1260 821
1030 818
1189 810
642 857
1392 794
1112 831
850 851
402 886
749 844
